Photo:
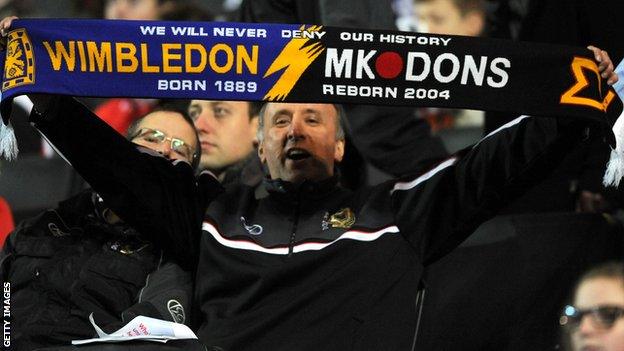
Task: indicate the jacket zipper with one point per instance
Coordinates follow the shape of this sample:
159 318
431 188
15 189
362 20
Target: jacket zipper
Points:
293 233
420 301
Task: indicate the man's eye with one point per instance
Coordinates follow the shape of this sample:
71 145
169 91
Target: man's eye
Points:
281 121
151 138
194 114
220 111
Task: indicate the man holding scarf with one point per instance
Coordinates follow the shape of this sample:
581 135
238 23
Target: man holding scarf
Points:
301 263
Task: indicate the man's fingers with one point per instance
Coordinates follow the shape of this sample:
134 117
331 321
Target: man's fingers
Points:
5 24
596 52
605 65
607 71
613 79
602 66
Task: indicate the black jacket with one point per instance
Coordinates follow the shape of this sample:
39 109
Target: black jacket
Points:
315 266
67 263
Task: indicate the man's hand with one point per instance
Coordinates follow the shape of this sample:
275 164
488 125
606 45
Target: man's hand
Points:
605 66
5 25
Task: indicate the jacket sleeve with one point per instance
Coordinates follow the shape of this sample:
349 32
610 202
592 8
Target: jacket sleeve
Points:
161 199
393 139
166 295
437 210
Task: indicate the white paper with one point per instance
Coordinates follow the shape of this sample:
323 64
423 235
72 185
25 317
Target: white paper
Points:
141 328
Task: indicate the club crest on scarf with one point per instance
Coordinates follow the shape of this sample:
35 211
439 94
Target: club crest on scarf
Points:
571 96
19 67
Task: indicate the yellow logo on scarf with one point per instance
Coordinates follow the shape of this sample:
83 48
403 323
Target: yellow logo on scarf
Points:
570 96
19 68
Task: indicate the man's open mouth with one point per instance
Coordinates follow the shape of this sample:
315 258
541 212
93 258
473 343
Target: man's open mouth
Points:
297 154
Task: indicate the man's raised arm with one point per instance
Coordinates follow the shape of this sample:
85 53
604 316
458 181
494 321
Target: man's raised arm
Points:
439 209
158 197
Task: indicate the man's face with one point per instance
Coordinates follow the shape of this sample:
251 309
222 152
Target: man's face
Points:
226 132
590 335
163 131
300 141
444 17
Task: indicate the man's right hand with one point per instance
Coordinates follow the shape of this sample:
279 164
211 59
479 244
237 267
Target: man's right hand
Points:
5 25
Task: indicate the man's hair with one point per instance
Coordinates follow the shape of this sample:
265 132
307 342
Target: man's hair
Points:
614 270
340 113
254 108
464 6
170 106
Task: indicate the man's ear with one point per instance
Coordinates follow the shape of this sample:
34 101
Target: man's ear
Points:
339 150
254 129
261 154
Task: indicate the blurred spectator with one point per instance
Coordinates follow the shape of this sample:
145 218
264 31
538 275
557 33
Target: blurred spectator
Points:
227 134
6 220
36 8
594 321
450 17
81 258
187 11
137 9
374 14
404 19
223 10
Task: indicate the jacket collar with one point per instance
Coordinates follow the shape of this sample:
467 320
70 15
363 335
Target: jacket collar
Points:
247 171
306 190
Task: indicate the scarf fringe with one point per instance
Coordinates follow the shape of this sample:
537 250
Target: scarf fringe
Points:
615 168
8 142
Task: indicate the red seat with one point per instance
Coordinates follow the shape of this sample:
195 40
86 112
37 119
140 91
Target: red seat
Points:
6 220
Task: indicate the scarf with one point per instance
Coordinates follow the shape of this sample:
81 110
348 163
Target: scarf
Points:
302 63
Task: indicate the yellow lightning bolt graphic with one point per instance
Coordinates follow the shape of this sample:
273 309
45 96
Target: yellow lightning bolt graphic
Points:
295 58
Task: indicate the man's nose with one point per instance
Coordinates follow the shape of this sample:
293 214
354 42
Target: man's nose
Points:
204 123
296 129
586 327
165 149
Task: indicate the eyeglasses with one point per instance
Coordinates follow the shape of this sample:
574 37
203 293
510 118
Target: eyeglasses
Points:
602 317
155 136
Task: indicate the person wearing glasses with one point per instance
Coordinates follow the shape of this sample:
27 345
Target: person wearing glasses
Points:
81 258
594 321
